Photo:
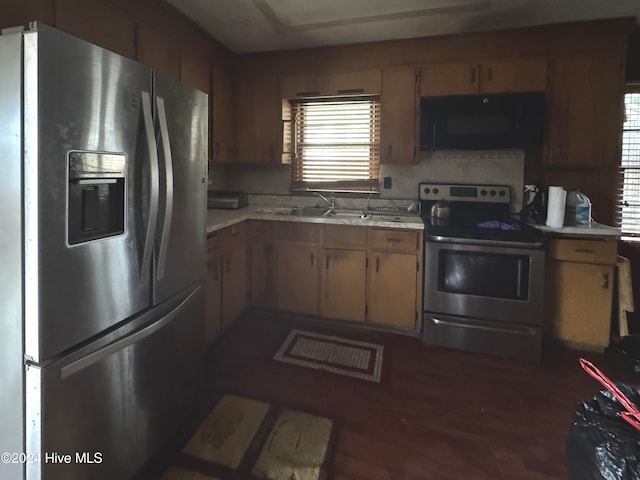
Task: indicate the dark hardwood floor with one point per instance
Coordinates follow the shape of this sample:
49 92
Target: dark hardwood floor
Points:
437 413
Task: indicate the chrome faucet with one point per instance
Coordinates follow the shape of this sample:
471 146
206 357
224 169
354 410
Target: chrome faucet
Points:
331 201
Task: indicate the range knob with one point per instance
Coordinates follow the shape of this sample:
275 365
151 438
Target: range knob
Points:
427 190
483 193
435 190
492 193
502 193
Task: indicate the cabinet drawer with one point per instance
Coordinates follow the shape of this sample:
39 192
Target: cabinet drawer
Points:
344 236
297 232
599 251
396 240
262 229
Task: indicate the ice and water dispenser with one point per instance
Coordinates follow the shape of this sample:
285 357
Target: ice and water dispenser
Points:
96 203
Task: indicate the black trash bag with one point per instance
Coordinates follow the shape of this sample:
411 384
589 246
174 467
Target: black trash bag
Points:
630 348
601 445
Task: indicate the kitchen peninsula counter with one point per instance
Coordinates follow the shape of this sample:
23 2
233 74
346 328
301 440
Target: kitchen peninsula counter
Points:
218 219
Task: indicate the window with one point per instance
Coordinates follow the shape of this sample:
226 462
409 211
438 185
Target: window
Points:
334 144
629 192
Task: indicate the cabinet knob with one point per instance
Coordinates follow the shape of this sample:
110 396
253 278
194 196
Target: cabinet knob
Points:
605 281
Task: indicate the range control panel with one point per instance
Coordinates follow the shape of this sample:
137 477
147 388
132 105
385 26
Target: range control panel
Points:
465 192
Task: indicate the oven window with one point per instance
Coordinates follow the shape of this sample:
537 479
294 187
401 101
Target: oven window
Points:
484 274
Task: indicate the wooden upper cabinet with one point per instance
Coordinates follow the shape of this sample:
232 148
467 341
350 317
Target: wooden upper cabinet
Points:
98 22
585 110
258 111
222 139
490 76
398 114
514 75
451 78
357 82
14 14
158 51
195 70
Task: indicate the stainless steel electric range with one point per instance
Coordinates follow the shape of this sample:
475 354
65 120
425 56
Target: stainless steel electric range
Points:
483 272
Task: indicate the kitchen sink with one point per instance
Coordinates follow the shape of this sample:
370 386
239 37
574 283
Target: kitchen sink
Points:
325 212
308 211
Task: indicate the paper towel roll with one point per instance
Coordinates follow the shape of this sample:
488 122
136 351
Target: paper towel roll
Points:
555 207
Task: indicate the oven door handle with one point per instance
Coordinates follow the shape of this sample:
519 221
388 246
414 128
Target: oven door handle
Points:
484 242
512 328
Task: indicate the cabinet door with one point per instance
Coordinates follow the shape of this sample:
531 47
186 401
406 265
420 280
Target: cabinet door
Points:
158 51
213 298
343 284
514 75
578 300
297 278
392 289
234 286
585 110
195 71
398 110
261 277
96 21
452 78
222 147
257 119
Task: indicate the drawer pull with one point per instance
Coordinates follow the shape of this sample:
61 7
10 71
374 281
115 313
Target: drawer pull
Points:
312 259
377 264
605 281
584 250
394 239
228 266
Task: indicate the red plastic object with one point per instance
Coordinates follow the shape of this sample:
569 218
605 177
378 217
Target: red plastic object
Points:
632 414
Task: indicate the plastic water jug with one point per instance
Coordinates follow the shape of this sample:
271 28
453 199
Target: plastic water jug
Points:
578 209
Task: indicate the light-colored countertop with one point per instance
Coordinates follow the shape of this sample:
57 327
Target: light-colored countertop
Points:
219 218
594 229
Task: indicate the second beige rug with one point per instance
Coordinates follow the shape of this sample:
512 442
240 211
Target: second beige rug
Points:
250 439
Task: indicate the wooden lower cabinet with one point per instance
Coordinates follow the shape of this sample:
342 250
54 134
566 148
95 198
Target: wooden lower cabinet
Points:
297 277
213 292
392 289
343 276
225 279
261 263
579 291
234 285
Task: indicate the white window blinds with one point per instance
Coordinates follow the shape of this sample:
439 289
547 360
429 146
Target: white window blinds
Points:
335 144
629 190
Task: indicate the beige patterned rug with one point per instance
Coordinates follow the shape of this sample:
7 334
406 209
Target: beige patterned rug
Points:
243 438
334 354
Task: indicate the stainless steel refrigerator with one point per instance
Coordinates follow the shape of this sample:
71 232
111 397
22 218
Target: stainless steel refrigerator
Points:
102 245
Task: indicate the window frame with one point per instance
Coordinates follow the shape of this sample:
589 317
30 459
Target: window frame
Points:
292 146
622 205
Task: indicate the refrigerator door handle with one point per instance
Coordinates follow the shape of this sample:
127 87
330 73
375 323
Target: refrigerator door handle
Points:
168 211
154 186
102 353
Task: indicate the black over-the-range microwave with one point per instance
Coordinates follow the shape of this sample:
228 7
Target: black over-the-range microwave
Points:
480 122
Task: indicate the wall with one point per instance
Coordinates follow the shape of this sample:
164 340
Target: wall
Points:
498 167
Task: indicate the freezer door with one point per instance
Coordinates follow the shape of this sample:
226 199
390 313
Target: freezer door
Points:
182 126
85 156
114 407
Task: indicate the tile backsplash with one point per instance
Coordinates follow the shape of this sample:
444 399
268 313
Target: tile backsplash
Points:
501 167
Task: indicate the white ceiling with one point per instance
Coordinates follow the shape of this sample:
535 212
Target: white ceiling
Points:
261 25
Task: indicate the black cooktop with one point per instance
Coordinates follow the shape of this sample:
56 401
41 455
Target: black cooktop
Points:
485 228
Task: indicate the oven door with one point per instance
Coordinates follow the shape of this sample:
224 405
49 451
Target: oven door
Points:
489 281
